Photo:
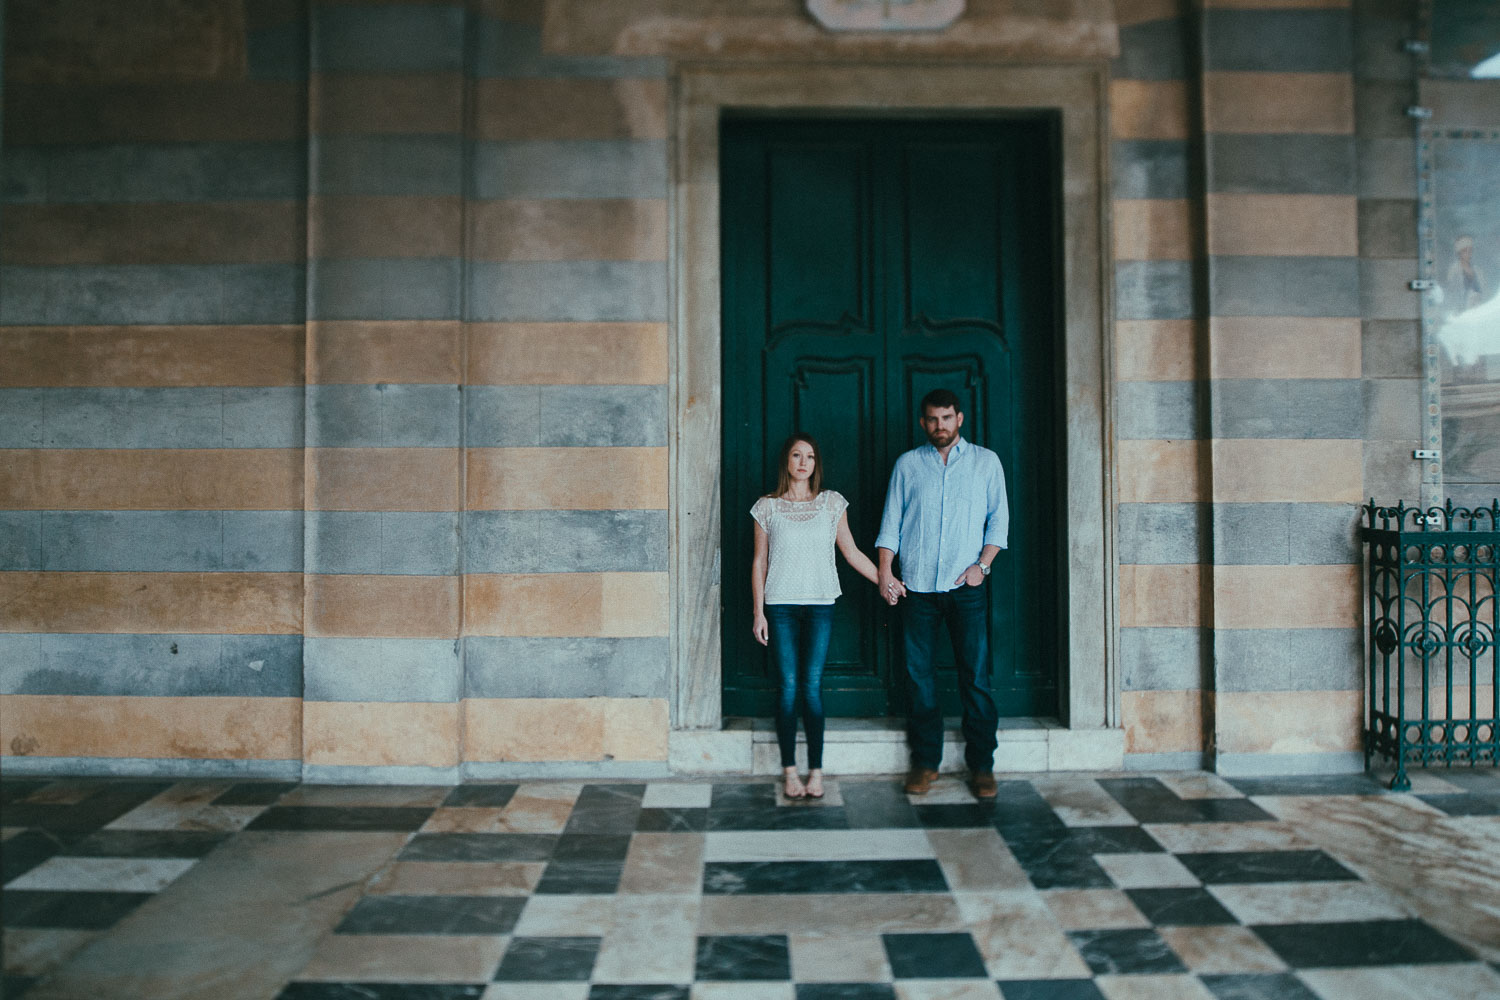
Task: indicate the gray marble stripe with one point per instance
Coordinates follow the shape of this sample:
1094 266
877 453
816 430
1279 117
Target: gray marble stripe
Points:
1302 659
385 288
388 38
566 415
1288 408
1154 50
1154 289
1150 168
153 767
1158 410
382 669
1278 41
1162 533
253 666
563 541
567 291
149 541
565 668
260 417
125 294
1284 164
389 542
1249 765
1285 534
154 172
1163 659
1285 286
402 165
508 49
570 168
387 415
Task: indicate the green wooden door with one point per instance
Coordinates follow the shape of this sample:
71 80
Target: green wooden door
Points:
866 263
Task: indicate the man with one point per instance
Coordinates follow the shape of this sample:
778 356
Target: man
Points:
946 517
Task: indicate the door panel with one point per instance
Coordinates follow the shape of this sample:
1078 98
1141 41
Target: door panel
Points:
866 263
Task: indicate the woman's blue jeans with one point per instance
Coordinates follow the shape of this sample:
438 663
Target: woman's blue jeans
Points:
799 644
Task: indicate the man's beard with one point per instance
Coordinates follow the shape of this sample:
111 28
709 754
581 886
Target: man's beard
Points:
942 439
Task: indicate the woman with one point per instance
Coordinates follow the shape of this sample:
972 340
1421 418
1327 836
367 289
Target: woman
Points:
793 583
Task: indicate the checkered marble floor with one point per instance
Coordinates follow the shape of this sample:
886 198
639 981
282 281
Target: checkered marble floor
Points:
1066 887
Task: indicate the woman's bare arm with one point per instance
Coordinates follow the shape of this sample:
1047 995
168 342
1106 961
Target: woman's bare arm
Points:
758 584
855 558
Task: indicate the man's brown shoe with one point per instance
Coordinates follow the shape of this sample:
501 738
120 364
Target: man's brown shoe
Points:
919 780
982 784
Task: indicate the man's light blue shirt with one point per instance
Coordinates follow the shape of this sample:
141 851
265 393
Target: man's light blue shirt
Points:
938 517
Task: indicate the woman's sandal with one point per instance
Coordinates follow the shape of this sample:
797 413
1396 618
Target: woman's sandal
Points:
791 784
815 785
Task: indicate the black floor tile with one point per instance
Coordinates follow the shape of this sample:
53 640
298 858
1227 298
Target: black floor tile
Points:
381 991
725 878
672 820
743 795
1482 780
1312 784
1049 989
24 851
1149 801
479 847
346 818
591 847
1125 952
12 789
1465 804
1113 840
816 817
637 992
481 796
255 793
580 878
71 910
955 815
934 956
742 957
1028 821
1238 867
433 915
15 987
606 809
1060 864
146 844
548 959
877 805
1362 942
1258 986
107 801
1180 907
844 991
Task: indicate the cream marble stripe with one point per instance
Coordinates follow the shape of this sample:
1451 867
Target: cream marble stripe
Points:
1308 902
1080 802
875 912
1209 838
817 845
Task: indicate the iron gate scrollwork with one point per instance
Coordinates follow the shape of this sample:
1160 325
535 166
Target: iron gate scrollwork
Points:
1433 575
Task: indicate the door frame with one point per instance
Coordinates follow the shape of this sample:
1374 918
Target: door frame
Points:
1088 689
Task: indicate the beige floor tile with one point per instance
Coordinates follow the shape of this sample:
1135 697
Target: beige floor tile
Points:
1199 785
1221 948
365 795
1154 987
7 832
678 795
536 991
838 958
1093 909
1307 902
1146 871
1018 936
1201 838
948 789
864 913
538 809
167 809
33 951
1081 802
468 878
63 793
977 860
742 991
566 916
664 863
831 795
947 989
818 845
466 819
1469 981
653 939
69 874
405 958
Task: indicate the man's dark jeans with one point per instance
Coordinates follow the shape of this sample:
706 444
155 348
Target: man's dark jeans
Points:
964 611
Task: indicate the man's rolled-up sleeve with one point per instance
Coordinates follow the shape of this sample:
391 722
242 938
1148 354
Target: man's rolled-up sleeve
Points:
890 521
997 516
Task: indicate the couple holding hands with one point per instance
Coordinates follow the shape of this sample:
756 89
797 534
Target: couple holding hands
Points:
946 518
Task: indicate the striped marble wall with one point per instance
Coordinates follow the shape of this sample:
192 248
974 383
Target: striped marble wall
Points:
151 368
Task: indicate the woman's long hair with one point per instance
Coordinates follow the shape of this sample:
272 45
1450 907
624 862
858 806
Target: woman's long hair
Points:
784 478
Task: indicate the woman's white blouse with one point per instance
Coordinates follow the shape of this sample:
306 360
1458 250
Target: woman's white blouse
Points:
801 537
